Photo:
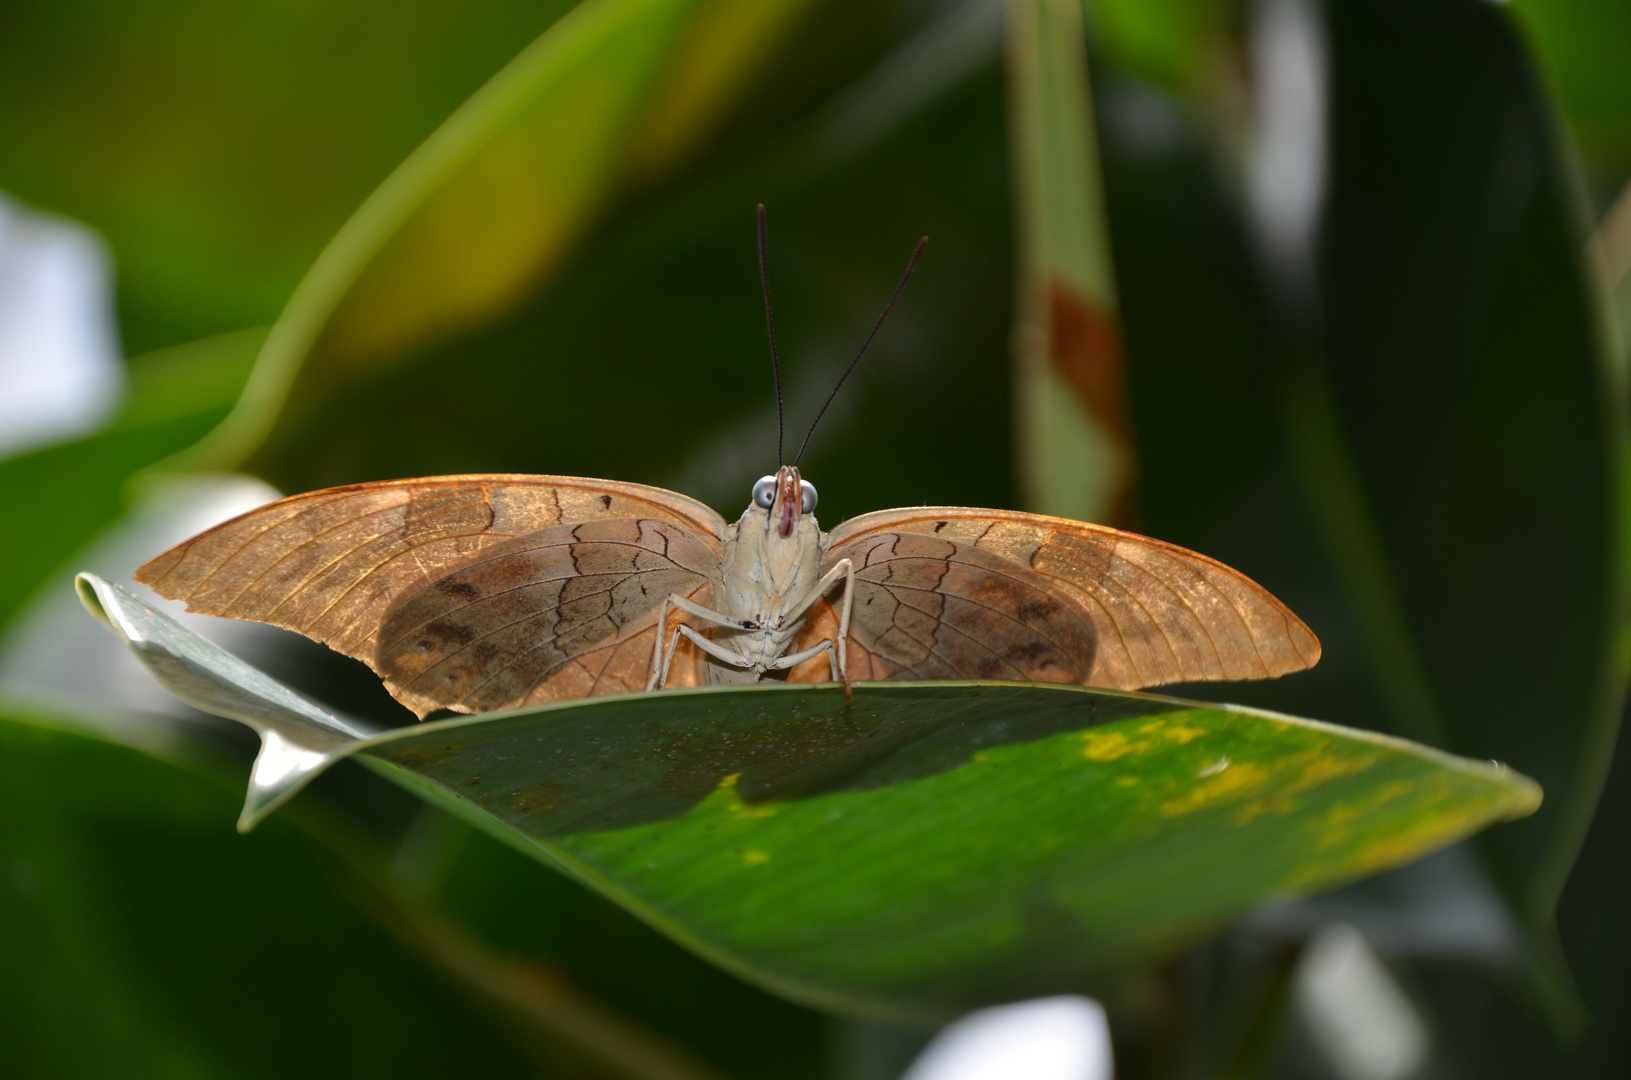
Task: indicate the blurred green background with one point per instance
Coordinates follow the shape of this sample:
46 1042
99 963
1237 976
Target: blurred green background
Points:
1363 277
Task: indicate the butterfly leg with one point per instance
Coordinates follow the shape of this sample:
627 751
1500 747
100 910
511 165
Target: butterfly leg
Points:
794 660
845 569
712 648
659 665
843 622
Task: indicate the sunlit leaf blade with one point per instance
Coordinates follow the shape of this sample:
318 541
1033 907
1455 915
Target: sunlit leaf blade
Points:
928 845
614 92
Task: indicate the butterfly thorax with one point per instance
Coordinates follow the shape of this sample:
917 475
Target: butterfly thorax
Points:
765 578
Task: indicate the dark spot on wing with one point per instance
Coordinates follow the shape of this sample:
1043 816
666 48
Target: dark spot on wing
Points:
441 632
939 525
1024 652
1037 610
606 501
458 590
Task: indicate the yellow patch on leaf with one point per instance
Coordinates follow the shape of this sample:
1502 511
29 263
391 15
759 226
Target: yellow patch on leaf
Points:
1111 745
1233 781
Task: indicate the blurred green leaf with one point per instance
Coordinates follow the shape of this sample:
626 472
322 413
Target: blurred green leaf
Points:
616 92
926 847
218 148
528 910
143 938
644 358
1582 46
1474 417
1170 41
1459 409
1505 452
1611 243
60 497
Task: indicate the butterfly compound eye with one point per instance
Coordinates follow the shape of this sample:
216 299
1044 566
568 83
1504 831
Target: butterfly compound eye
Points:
807 497
764 492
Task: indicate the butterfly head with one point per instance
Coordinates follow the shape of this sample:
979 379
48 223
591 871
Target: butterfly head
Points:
784 498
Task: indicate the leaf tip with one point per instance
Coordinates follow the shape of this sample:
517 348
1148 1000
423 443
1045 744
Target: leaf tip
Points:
85 585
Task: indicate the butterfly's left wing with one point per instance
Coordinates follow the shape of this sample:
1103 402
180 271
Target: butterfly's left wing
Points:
958 593
469 593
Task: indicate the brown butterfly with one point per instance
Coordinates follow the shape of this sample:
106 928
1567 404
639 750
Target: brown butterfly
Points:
474 593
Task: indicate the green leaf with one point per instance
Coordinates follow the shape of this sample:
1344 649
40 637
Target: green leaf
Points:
1448 404
219 148
925 847
613 95
1581 46
1169 41
143 938
644 357
1468 404
1513 425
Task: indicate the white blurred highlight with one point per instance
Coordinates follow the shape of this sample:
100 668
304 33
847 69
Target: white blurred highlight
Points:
1286 171
1355 1012
1057 1038
61 371
55 652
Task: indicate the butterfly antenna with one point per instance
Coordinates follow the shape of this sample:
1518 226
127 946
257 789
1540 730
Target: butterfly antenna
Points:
770 324
911 264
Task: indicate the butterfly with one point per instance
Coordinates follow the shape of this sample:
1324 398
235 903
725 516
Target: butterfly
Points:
482 592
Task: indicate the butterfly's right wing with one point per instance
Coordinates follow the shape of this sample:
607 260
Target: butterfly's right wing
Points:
463 592
958 593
